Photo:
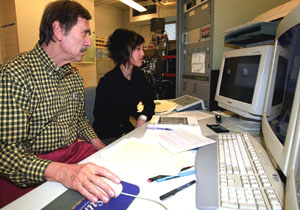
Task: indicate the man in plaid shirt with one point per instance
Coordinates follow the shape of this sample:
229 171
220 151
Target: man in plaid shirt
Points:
42 112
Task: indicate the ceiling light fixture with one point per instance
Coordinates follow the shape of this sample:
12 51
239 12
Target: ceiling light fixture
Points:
134 5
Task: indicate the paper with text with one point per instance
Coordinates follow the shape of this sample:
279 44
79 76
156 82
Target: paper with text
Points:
180 138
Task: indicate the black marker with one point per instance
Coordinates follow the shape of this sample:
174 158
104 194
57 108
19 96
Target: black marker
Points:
173 192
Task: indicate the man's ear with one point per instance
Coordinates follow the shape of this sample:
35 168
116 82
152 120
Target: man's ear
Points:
58 30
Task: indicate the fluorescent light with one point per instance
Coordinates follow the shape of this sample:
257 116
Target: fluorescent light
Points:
134 5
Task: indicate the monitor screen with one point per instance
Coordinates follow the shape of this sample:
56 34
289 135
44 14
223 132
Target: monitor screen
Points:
239 78
243 80
284 91
280 82
280 118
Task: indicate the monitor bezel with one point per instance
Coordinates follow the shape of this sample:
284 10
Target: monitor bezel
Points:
291 199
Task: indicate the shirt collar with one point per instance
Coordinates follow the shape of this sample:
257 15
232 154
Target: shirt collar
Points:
49 64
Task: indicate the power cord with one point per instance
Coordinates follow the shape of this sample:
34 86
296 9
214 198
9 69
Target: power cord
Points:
147 199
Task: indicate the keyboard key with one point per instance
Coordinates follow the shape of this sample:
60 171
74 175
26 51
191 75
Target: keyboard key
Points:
230 205
247 206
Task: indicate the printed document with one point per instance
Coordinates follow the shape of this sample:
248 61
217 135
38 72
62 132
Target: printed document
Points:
179 138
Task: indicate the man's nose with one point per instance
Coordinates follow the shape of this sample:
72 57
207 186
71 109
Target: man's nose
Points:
88 41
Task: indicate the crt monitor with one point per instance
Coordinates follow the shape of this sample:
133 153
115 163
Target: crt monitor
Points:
243 79
281 120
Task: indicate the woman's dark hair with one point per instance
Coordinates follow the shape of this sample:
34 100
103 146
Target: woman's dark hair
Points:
121 44
65 12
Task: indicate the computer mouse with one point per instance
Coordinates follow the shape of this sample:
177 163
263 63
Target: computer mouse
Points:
118 188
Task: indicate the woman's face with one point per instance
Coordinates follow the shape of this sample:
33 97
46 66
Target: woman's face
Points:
137 55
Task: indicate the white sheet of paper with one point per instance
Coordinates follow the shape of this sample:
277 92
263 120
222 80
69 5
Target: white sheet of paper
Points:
143 160
200 115
198 62
181 138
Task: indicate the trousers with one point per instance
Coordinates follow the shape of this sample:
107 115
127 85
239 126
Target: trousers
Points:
76 152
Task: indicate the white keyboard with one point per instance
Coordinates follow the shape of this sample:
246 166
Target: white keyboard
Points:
246 177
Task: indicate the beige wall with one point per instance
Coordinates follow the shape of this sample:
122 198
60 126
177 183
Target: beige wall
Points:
107 19
144 30
7 16
0 33
29 14
7 11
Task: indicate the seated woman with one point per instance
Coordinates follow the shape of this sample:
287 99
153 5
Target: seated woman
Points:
121 89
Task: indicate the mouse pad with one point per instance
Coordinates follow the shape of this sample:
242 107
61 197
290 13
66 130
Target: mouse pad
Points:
119 203
75 201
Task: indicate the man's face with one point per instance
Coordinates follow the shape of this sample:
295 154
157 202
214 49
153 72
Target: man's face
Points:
76 41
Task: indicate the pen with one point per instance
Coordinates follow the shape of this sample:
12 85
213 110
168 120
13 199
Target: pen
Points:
156 177
162 176
185 168
173 177
158 128
173 192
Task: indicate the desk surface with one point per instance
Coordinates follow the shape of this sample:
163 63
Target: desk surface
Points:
47 192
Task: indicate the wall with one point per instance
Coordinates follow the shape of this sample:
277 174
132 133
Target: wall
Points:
7 16
1 12
28 18
144 30
107 19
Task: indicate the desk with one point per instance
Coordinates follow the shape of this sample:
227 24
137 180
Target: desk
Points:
47 192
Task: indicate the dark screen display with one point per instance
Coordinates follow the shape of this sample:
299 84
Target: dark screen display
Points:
280 80
239 78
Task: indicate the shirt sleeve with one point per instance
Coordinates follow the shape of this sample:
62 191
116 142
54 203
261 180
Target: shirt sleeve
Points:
17 162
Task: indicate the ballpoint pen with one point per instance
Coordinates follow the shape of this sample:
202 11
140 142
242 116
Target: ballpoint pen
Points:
173 192
160 128
173 177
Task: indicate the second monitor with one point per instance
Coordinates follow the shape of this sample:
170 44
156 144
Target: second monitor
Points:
243 80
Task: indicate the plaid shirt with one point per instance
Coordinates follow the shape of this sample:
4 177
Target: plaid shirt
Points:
41 110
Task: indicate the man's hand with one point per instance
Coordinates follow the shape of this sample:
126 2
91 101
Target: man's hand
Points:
83 178
97 143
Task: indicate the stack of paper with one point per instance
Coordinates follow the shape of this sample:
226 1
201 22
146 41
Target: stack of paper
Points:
177 133
180 138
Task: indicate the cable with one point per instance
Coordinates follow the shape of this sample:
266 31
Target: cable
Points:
147 199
